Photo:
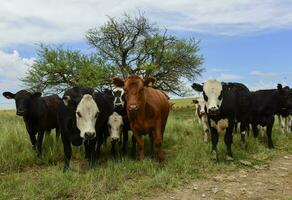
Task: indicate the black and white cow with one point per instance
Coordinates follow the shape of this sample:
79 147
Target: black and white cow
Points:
266 104
285 123
84 120
39 114
118 124
229 101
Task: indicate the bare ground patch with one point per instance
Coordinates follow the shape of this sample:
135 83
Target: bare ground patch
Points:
269 181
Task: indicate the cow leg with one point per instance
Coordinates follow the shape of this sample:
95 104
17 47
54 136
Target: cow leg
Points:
158 145
33 140
90 145
228 140
214 139
133 147
125 142
67 152
40 142
205 127
57 133
97 150
140 145
87 150
269 132
243 131
113 149
255 130
151 137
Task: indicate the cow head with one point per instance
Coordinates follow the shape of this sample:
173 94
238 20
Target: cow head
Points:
23 100
285 98
73 96
115 126
86 115
200 105
212 93
118 94
134 90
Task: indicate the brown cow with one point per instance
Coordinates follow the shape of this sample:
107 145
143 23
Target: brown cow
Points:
147 109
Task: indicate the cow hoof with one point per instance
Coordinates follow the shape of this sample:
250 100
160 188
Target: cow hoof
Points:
229 158
34 147
214 156
271 146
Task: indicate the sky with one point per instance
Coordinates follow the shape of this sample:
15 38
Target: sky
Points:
247 41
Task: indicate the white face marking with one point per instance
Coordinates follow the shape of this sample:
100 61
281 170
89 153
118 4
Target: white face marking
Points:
201 105
115 125
118 99
212 90
86 115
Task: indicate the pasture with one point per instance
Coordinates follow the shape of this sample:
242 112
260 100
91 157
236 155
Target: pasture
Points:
25 176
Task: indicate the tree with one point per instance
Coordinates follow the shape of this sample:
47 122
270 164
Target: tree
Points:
57 69
133 45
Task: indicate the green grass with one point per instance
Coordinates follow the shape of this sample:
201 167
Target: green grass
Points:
24 176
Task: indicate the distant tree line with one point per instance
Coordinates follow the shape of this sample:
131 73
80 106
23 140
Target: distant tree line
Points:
124 46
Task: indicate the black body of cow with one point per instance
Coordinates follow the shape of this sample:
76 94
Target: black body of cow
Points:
235 107
39 114
267 103
70 133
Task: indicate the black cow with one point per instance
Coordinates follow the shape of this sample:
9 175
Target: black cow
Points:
39 114
231 101
84 120
267 103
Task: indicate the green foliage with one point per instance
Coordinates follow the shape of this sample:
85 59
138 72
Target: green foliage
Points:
25 176
135 46
57 69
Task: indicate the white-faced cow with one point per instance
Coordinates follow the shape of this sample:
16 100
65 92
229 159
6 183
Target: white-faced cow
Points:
84 120
229 101
202 115
285 123
266 104
39 114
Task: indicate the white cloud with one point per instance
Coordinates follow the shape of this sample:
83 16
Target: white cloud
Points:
227 77
266 75
12 67
32 21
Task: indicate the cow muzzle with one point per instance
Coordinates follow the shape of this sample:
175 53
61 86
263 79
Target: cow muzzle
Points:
115 139
89 135
213 111
132 107
20 112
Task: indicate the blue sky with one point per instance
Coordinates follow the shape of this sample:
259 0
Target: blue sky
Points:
245 41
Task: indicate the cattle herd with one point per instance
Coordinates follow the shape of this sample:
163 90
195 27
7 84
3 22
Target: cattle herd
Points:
88 117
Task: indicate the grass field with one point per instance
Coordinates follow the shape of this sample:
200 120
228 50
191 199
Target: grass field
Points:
25 176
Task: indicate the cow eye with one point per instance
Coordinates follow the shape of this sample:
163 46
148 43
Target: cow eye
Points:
78 114
220 97
96 115
109 126
205 96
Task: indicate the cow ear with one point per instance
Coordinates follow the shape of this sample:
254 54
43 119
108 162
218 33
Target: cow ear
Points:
279 86
198 87
118 82
149 81
195 101
36 94
8 95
